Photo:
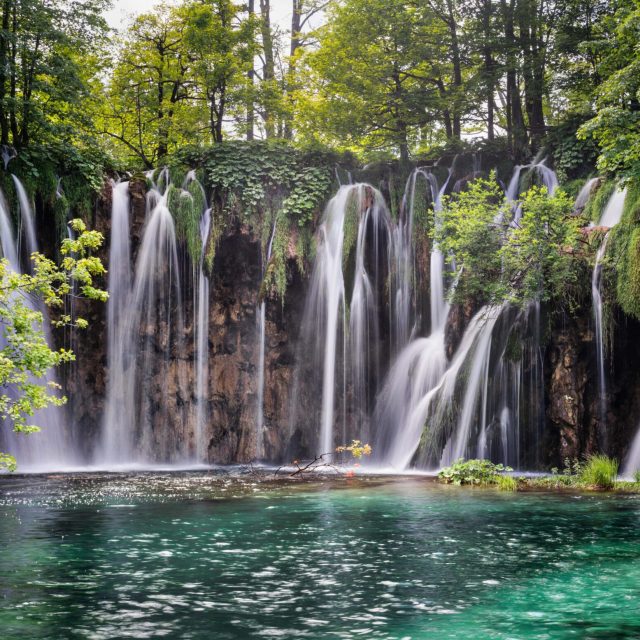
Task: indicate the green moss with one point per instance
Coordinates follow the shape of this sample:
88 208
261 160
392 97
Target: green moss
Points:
187 207
624 254
256 182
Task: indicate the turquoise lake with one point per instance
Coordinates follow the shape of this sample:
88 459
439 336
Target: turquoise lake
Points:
229 555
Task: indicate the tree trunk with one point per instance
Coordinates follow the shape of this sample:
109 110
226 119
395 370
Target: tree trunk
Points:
457 70
296 43
268 74
488 68
163 134
446 114
250 80
4 121
515 117
13 81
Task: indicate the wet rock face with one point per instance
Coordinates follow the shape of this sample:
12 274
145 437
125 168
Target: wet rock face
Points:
459 317
566 392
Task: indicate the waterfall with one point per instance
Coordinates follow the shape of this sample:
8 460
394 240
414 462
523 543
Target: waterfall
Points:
613 211
262 320
202 344
7 153
416 372
419 367
341 334
49 447
632 462
546 175
26 218
585 194
201 319
431 412
439 308
144 383
610 217
596 293
116 430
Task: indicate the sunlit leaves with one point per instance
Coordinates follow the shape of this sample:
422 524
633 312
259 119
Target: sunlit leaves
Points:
26 356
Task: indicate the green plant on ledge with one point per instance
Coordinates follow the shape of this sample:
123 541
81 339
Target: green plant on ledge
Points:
599 471
477 472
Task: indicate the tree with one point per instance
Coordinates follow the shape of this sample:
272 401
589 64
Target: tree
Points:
616 125
374 79
149 85
49 54
220 42
26 357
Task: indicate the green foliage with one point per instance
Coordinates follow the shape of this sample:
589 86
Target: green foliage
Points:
474 472
49 59
636 477
470 235
538 255
506 483
26 357
599 471
187 206
261 182
596 472
616 125
573 157
355 95
532 260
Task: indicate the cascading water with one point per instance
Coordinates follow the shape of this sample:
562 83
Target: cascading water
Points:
585 194
596 294
202 343
610 217
613 211
433 413
116 431
26 218
632 462
546 176
420 366
262 322
48 448
354 254
201 332
143 379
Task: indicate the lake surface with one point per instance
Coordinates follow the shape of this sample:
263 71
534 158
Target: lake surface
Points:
219 555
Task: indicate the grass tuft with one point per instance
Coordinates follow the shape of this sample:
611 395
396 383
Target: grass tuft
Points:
599 471
506 483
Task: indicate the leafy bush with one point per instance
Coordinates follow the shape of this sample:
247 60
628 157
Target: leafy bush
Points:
599 471
533 259
470 236
478 472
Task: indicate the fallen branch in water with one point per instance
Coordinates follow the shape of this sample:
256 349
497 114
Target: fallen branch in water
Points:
322 461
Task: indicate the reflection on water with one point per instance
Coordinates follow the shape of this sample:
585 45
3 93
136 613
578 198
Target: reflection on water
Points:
205 555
